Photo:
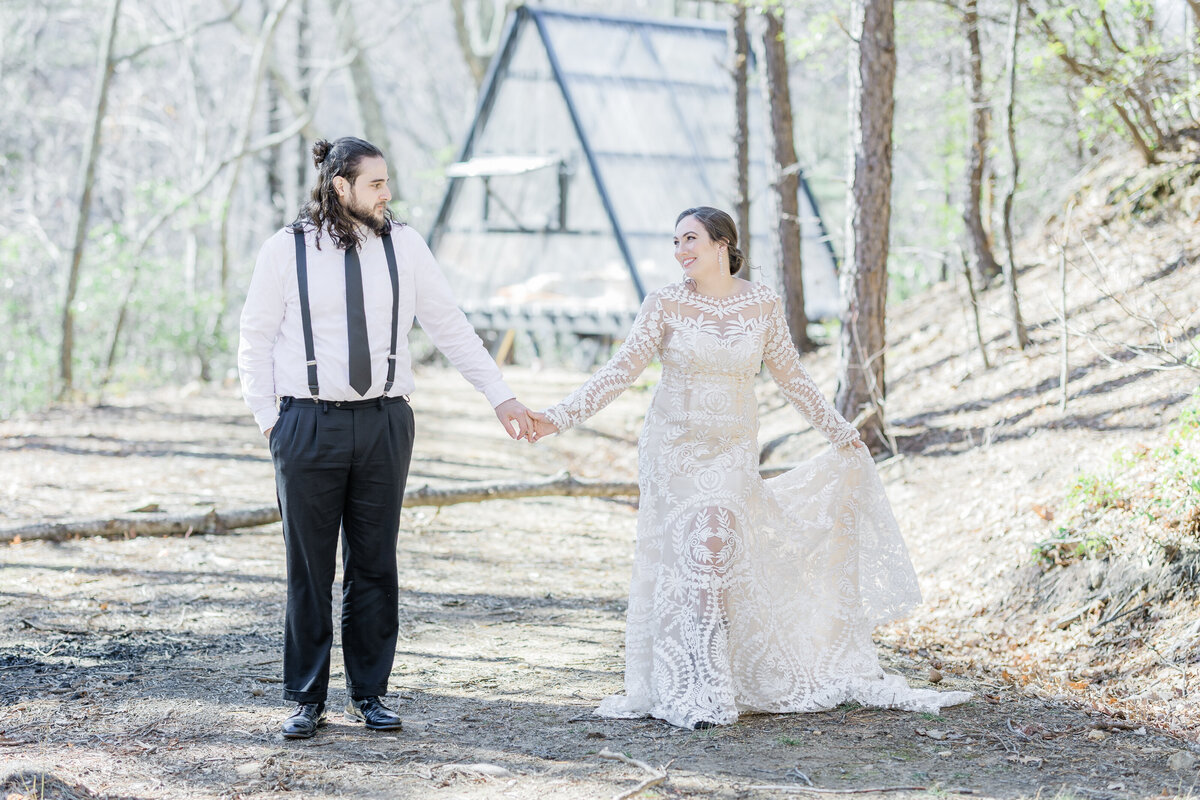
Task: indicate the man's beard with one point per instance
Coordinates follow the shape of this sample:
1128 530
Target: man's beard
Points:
367 216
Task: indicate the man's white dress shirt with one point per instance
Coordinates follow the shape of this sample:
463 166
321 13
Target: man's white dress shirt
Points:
271 357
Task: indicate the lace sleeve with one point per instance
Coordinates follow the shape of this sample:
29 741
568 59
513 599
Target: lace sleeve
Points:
781 358
642 345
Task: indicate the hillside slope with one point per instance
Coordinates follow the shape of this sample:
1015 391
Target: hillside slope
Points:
990 456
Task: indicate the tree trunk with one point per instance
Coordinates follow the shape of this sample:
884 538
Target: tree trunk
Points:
787 179
476 63
297 100
1020 335
273 156
861 386
256 74
303 53
106 65
983 262
974 298
478 39
741 137
370 111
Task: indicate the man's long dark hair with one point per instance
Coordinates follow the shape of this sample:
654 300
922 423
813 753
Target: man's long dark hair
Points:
325 211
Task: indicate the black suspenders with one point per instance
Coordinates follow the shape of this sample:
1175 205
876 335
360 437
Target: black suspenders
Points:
310 356
395 273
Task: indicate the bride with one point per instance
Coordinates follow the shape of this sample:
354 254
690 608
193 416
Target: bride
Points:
747 595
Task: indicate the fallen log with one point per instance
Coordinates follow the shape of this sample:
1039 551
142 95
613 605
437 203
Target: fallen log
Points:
129 526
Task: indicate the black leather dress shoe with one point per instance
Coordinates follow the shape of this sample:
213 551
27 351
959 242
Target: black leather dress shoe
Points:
375 714
304 721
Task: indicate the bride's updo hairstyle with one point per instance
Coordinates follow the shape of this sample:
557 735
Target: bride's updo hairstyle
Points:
720 228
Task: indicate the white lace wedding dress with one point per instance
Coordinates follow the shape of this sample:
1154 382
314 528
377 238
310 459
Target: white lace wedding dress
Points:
747 595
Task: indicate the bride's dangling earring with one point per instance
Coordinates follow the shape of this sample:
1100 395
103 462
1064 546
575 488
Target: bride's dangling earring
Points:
721 260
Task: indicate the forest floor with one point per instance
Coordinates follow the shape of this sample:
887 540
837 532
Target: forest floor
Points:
149 667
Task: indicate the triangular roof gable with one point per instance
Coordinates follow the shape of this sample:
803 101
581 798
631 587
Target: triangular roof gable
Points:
648 105
522 18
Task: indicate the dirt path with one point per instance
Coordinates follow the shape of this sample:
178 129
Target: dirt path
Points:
149 668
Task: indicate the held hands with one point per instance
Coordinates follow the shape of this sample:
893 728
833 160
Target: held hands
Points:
514 416
542 426
521 423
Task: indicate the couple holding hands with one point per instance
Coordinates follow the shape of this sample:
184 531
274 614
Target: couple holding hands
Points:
746 595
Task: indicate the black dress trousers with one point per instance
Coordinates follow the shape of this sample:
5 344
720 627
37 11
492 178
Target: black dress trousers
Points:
341 467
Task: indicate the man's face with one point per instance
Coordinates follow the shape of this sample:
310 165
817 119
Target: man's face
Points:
367 198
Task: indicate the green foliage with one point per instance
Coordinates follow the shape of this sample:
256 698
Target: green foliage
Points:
175 317
28 355
1144 495
1067 546
1193 358
1127 81
1097 491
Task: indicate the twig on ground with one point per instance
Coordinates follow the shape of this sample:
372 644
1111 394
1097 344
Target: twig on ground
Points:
1014 729
795 772
55 629
657 776
646 784
783 787
975 310
1008 746
1116 725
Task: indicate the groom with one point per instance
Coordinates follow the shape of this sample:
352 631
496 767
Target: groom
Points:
325 368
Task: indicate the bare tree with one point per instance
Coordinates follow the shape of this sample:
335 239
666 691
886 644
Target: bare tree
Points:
478 33
787 178
863 341
303 54
144 237
370 111
106 65
273 156
256 75
741 136
297 99
1020 334
982 260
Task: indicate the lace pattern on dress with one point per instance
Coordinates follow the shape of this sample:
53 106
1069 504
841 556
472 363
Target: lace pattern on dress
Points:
747 594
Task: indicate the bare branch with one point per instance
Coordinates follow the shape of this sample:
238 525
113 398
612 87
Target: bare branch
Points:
656 776
180 36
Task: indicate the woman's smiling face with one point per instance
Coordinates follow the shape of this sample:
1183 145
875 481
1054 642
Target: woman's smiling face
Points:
696 252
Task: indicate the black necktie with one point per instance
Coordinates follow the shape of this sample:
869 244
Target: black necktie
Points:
356 326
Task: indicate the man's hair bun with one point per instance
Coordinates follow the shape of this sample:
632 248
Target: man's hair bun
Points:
319 151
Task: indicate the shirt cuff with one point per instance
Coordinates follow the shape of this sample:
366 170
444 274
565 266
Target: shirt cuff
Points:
496 393
266 418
